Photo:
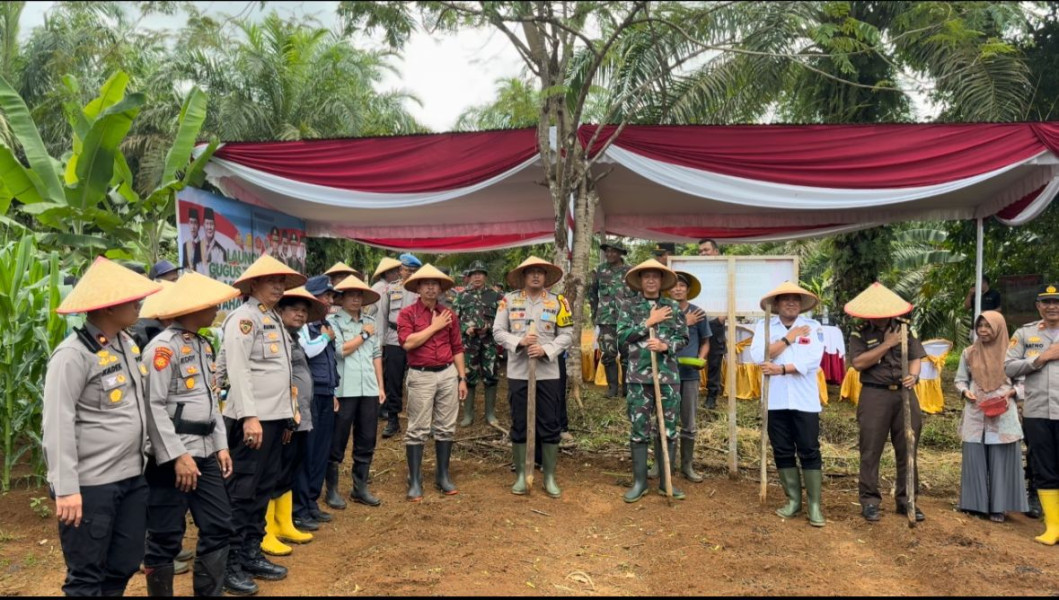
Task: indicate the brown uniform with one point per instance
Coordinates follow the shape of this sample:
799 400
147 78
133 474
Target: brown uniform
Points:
880 412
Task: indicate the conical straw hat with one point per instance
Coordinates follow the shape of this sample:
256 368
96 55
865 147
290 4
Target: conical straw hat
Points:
809 299
194 292
104 284
265 266
341 268
694 285
151 304
552 273
317 310
353 282
669 277
385 265
877 302
428 271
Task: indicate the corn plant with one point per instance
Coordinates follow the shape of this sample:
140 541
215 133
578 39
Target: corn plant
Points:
29 331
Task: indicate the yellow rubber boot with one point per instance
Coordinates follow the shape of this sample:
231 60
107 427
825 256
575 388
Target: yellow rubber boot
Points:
1050 505
270 544
285 529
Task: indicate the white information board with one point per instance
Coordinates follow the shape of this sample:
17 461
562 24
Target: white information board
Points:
755 276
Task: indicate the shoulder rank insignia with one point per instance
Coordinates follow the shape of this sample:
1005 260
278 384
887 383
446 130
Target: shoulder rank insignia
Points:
162 356
246 326
261 307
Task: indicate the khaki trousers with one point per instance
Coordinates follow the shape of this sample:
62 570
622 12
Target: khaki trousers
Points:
433 404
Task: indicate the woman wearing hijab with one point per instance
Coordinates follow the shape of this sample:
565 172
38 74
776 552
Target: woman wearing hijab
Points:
991 480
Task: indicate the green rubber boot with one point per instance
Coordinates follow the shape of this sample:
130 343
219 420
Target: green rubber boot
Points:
792 484
671 447
814 483
656 466
468 407
518 454
549 458
490 405
639 472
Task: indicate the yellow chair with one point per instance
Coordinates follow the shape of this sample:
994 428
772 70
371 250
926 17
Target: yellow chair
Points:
588 355
850 386
928 390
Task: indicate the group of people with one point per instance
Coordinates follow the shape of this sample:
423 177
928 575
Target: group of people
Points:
250 435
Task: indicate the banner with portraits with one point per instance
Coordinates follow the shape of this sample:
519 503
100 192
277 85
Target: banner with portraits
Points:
220 237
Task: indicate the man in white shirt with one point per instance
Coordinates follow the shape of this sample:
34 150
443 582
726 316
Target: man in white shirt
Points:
796 345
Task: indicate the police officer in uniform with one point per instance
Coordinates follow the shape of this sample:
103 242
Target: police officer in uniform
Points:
189 446
476 307
95 433
394 363
1034 354
550 316
875 351
260 407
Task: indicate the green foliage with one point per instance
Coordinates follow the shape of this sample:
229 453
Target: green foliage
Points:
29 331
40 506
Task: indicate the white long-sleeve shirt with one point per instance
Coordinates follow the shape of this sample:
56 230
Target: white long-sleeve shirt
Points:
798 390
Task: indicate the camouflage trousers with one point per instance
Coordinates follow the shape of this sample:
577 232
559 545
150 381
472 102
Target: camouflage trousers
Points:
640 402
608 347
479 354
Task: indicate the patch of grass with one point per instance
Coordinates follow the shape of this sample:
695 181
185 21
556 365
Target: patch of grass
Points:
9 537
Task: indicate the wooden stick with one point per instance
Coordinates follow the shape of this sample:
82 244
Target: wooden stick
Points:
531 415
763 492
667 477
910 436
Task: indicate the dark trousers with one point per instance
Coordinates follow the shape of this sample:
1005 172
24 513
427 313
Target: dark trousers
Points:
714 360
1042 435
167 505
310 477
394 365
880 414
254 477
291 456
1031 483
359 416
564 419
105 551
547 410
794 433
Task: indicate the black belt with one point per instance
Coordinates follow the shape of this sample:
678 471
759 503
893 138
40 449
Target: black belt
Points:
202 428
893 387
432 369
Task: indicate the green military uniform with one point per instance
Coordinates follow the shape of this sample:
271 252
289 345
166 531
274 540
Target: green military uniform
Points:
605 295
476 308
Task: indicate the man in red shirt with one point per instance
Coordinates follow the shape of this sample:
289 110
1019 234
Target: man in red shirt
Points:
437 379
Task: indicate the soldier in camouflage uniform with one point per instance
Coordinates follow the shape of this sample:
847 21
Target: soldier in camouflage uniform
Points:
637 314
476 308
605 295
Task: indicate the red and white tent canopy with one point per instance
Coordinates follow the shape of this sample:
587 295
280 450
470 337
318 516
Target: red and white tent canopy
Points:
476 191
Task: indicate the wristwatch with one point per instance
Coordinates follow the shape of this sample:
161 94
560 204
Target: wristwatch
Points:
364 335
785 340
461 379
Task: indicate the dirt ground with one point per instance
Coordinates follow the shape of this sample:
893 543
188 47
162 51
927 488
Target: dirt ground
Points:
719 541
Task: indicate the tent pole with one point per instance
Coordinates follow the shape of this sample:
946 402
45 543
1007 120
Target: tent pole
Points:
978 260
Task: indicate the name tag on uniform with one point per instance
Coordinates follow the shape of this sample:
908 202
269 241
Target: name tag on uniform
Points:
803 340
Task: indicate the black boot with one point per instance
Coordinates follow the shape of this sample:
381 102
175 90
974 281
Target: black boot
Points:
318 515
160 580
1035 511
237 581
306 523
360 491
414 455
208 577
612 379
257 566
331 496
393 427
639 472
443 450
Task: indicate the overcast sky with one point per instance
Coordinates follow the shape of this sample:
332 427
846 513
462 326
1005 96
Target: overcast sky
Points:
448 73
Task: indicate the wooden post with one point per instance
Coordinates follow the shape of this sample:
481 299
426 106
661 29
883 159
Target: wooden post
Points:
910 435
763 492
733 441
667 477
531 415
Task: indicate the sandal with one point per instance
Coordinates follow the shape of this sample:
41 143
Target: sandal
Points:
997 517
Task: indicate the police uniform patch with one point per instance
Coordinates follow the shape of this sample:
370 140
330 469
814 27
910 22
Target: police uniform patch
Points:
115 396
162 356
1034 339
192 370
1013 342
273 336
274 347
136 350
246 326
190 382
143 370
185 349
266 320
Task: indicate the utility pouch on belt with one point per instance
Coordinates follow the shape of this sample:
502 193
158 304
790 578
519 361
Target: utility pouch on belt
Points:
190 427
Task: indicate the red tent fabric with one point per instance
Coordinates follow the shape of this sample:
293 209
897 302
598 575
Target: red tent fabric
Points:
455 192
